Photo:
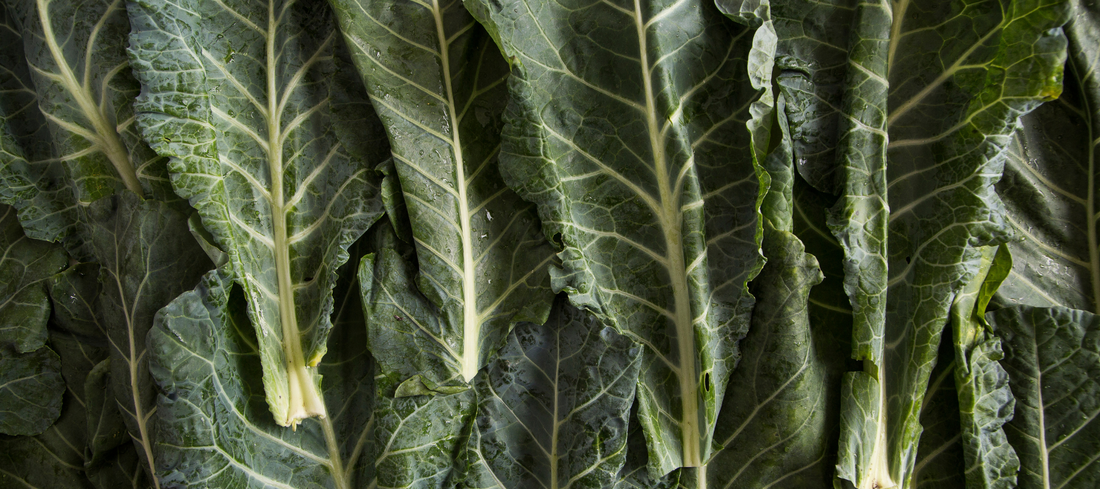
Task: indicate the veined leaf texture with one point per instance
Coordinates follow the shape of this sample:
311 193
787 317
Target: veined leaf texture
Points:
554 244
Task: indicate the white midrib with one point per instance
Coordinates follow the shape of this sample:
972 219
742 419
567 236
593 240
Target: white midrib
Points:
1090 199
471 324
107 137
303 399
877 475
135 389
671 225
1042 420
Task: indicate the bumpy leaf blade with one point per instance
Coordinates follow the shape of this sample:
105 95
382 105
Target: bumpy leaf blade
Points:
1053 359
30 178
65 455
643 170
778 422
146 260
30 391
247 99
30 375
941 461
949 113
214 428
25 265
553 407
76 54
419 422
946 165
984 398
1047 181
438 82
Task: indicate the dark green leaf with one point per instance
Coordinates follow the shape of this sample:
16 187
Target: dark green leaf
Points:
553 407
629 125
438 83
1052 356
214 427
249 101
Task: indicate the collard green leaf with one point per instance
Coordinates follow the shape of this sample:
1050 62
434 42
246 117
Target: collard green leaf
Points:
417 436
30 391
52 459
420 423
1001 81
214 428
941 461
31 386
24 266
779 419
248 100
79 331
61 456
1052 356
553 407
79 80
31 179
1046 186
438 83
634 474
949 113
984 399
146 260
79 73
643 170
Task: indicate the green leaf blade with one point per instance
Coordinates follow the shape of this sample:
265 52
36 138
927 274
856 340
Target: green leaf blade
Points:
215 430
553 407
1051 357
628 161
439 86
254 136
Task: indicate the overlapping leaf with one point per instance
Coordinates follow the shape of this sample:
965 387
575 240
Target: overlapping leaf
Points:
24 267
950 111
553 407
642 167
779 421
89 445
1048 182
80 163
144 264
1052 356
249 99
984 400
941 461
419 422
215 430
76 73
438 83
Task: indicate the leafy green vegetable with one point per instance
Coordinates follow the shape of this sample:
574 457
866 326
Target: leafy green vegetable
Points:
246 99
86 170
811 244
553 407
438 84
629 162
212 417
30 372
948 114
1051 356
1049 187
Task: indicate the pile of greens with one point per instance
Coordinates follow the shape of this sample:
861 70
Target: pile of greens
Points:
549 244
